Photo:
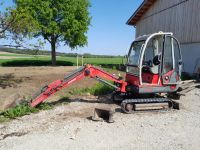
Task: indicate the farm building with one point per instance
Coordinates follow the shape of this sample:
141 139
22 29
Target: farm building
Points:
181 17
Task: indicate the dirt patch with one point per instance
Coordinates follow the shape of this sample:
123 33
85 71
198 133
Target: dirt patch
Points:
5 53
13 57
8 80
26 81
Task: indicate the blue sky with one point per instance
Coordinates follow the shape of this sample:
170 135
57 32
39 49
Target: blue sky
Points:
108 33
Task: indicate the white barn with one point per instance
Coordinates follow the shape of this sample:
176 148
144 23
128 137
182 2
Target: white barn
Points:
181 17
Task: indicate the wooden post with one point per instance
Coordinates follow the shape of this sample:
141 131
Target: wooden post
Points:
82 60
77 61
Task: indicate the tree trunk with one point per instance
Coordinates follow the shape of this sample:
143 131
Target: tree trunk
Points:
53 53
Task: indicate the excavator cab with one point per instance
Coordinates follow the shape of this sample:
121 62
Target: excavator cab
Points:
154 64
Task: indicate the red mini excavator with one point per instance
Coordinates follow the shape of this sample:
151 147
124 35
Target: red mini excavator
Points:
153 67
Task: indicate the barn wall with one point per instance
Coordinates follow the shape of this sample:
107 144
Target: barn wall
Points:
191 57
183 20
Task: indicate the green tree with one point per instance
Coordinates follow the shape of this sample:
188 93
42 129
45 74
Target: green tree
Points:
13 23
55 20
5 22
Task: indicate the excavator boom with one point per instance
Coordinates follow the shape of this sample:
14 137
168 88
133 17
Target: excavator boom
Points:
82 72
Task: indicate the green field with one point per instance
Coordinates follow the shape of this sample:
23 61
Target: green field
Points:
30 60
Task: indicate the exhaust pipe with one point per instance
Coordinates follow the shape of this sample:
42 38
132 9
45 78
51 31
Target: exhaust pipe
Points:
103 115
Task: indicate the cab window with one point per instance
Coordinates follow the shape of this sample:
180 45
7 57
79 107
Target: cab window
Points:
134 53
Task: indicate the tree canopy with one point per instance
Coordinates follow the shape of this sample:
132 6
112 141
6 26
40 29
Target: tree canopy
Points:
55 20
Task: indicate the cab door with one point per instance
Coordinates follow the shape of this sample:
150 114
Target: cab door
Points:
171 61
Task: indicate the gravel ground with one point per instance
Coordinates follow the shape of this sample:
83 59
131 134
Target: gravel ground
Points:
68 127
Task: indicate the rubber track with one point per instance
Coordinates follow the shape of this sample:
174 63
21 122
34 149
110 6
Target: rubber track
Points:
143 100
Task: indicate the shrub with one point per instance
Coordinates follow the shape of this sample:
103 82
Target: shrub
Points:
21 110
34 63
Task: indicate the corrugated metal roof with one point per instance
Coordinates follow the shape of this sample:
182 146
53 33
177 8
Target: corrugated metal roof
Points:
146 4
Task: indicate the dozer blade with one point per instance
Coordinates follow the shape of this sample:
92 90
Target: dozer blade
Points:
103 115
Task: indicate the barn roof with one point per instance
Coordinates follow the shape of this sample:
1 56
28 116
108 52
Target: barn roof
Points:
146 4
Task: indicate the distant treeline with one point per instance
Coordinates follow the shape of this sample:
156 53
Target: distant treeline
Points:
43 52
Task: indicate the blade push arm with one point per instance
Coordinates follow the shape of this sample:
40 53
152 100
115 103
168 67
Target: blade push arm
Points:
86 71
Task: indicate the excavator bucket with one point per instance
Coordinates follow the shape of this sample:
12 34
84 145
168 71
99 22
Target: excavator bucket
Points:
103 115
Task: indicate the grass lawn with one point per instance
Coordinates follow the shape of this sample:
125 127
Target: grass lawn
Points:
30 60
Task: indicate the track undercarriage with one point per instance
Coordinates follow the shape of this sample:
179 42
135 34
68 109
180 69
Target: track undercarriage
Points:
130 103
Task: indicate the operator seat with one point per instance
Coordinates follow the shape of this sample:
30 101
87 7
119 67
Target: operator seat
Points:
156 64
154 69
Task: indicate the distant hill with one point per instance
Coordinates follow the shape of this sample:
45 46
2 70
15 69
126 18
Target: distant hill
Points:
43 52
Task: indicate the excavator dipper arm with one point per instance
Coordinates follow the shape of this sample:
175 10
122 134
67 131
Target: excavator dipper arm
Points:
85 71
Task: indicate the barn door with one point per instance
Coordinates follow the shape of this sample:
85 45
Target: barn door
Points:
171 64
